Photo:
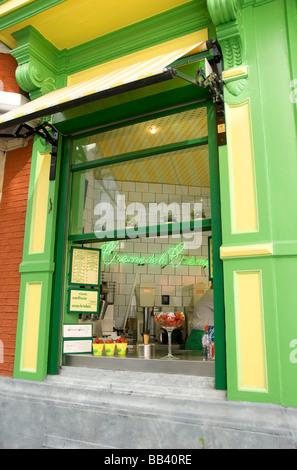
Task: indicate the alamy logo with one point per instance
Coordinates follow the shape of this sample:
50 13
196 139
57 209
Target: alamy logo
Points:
1 352
293 354
116 219
293 94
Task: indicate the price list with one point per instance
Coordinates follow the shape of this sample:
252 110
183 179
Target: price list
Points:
85 267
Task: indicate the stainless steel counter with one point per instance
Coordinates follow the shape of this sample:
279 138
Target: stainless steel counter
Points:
189 363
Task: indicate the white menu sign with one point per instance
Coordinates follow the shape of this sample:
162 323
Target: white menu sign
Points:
78 331
77 346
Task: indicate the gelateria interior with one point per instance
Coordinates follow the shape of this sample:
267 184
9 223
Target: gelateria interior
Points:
149 214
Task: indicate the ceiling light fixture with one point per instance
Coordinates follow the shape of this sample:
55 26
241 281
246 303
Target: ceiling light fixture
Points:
153 129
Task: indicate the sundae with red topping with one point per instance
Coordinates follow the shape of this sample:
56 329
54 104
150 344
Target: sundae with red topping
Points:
170 319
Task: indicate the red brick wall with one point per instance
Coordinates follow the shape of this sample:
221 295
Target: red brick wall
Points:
8 65
12 227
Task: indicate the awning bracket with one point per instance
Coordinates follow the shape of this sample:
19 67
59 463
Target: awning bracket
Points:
47 132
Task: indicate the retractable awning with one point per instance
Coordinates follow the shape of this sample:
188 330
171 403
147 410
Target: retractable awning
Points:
149 66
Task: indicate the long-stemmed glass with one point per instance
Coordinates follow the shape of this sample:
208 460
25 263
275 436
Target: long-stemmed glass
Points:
170 321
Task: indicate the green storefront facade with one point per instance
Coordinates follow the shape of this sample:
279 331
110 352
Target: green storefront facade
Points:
252 151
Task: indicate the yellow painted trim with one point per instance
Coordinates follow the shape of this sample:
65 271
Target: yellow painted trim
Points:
235 73
8 40
31 327
76 22
12 5
241 167
265 249
40 204
250 331
151 53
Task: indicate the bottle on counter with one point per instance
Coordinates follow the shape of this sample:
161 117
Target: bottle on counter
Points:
211 343
205 344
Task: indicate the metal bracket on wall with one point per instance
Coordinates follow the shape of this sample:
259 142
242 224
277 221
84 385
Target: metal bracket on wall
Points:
214 79
47 132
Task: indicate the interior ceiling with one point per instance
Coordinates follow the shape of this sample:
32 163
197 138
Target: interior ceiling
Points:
185 167
189 167
169 129
75 22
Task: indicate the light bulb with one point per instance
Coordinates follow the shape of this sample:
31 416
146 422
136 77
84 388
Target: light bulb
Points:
153 129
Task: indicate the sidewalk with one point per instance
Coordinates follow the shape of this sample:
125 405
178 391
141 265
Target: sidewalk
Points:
85 408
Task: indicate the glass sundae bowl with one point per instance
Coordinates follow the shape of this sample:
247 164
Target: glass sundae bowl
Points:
169 321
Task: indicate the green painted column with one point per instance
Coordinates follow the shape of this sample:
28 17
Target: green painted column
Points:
37 268
258 193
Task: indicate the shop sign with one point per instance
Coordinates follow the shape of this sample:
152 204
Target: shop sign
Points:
83 301
173 257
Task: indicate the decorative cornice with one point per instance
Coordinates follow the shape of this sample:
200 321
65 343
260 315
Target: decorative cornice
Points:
222 12
38 62
254 3
226 16
43 68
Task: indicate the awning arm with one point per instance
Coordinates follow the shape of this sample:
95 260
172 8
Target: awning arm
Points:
214 79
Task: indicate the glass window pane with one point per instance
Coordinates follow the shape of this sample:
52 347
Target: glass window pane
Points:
101 195
165 130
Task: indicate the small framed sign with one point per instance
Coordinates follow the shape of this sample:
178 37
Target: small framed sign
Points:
77 346
79 330
83 301
85 267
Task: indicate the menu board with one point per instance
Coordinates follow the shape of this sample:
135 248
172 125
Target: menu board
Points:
85 267
83 301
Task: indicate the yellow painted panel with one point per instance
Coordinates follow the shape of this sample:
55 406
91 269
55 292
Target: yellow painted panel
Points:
244 210
76 22
40 204
263 249
237 72
31 327
250 334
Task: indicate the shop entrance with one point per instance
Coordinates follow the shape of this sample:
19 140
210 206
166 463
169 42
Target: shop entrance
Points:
145 197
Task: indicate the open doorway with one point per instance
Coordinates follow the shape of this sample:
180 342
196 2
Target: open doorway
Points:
141 196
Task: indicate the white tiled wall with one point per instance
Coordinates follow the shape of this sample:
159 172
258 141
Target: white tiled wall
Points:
107 190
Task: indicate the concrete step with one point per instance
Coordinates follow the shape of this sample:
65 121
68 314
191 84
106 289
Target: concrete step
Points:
137 383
